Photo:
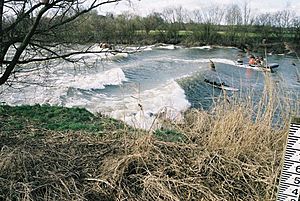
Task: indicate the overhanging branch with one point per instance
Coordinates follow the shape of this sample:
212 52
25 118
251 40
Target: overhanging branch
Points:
65 56
23 45
20 35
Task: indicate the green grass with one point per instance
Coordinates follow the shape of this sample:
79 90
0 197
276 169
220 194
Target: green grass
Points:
53 118
57 118
169 135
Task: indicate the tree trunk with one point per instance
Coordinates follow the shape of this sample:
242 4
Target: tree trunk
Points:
1 35
10 67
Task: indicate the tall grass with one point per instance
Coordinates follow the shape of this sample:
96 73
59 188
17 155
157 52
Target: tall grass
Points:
232 152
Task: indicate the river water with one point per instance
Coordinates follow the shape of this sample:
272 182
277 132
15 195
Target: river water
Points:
155 80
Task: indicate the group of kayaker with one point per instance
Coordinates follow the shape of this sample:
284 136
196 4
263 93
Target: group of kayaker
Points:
256 60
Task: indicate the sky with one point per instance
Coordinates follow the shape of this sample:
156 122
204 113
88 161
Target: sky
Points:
144 7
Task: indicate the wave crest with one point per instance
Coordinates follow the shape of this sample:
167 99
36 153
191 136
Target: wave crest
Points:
99 80
145 109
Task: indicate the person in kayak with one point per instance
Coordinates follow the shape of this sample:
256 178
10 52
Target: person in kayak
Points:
252 60
212 64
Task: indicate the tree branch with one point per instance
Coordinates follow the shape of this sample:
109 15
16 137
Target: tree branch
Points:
93 6
21 17
2 54
65 56
40 30
23 45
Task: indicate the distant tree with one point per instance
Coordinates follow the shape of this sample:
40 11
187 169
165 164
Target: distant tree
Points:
296 29
174 23
85 28
246 13
196 16
106 28
286 18
210 17
30 29
126 27
152 22
234 15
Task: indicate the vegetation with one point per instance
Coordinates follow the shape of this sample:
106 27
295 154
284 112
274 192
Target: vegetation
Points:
233 25
53 118
226 153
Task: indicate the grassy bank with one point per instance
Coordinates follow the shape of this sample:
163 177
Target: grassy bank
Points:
53 118
55 153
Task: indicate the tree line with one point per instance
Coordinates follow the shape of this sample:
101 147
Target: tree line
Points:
231 25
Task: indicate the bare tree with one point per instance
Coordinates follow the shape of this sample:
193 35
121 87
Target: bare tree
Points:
234 15
287 18
246 12
296 27
31 29
213 14
197 16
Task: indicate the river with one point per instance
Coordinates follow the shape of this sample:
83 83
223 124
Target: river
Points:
137 87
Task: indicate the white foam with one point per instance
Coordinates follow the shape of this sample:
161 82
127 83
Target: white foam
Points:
134 49
56 93
202 47
141 110
226 47
167 47
34 95
113 76
120 55
96 47
147 48
216 60
101 55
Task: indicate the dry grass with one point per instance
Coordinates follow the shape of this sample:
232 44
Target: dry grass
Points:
231 153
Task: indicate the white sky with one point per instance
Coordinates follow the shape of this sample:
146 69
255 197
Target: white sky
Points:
144 7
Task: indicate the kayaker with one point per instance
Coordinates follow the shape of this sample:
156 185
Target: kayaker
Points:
212 64
252 60
259 61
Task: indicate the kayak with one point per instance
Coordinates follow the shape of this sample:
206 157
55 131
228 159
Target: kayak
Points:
222 86
269 68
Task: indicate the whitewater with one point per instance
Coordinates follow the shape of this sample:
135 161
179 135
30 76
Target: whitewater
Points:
142 86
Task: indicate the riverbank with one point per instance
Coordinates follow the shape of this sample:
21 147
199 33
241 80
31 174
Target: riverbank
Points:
66 154
271 48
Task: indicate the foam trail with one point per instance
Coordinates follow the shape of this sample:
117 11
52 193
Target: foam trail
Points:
224 61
